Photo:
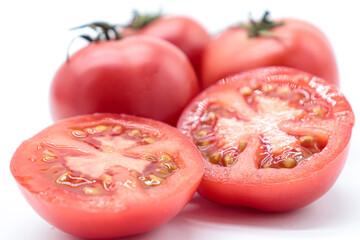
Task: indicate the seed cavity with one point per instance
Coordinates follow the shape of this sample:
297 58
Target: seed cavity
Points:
290 158
72 181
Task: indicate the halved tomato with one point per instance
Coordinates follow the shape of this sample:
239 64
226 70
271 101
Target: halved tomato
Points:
107 176
274 139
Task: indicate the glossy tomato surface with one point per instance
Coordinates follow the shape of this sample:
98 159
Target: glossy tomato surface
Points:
296 44
274 139
184 32
138 75
107 176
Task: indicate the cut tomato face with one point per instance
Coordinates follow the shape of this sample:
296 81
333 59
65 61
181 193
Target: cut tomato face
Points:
274 139
107 176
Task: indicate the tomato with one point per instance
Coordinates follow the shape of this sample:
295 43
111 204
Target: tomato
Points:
107 175
289 42
184 32
138 75
273 139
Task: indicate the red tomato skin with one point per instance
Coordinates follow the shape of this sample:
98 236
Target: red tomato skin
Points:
298 45
87 218
183 32
270 191
109 225
139 75
287 195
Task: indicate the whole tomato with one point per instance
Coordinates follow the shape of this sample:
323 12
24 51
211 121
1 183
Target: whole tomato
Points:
184 32
289 42
137 75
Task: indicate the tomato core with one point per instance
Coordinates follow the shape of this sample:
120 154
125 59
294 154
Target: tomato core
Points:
70 169
270 105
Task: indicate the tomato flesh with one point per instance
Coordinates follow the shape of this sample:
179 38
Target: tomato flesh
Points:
103 173
269 128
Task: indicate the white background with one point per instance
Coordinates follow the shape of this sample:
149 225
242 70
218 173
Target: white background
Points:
33 43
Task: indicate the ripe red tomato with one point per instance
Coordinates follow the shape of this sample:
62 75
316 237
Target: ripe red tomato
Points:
107 175
138 75
183 32
274 139
289 42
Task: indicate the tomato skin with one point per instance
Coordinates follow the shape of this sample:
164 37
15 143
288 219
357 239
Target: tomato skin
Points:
139 75
276 197
183 32
271 189
102 217
297 45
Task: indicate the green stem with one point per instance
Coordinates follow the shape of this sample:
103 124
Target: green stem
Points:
261 28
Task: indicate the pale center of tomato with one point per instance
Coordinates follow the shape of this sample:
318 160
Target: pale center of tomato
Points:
270 112
112 157
233 117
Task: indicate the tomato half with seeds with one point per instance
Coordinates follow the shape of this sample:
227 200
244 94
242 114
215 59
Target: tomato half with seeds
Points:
274 139
137 75
107 176
288 42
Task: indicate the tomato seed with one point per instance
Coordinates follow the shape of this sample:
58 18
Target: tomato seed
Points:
48 159
90 190
215 158
305 140
319 111
202 133
79 134
49 153
107 181
162 171
284 90
228 159
164 157
134 132
246 91
242 145
117 128
148 140
101 128
289 162
268 88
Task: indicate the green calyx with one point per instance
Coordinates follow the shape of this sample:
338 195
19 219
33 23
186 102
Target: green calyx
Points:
104 31
141 20
261 28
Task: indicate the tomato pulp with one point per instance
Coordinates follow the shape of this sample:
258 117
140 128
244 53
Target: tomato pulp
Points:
107 176
274 139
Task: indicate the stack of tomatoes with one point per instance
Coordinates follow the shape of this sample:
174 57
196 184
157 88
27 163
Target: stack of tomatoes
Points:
269 130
